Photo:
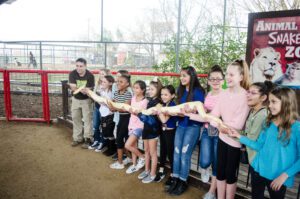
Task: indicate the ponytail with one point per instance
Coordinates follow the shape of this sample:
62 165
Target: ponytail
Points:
244 70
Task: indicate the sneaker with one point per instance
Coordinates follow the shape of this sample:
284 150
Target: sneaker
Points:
126 161
101 147
131 169
75 143
160 175
115 157
168 183
205 175
148 179
140 163
143 175
209 195
86 143
94 145
116 165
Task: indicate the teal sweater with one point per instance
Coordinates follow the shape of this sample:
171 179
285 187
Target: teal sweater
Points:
274 156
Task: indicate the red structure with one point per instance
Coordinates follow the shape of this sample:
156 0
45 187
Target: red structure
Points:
45 92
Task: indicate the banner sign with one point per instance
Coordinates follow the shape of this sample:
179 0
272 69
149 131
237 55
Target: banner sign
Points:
273 47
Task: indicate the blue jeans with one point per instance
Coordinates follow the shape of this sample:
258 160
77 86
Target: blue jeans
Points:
96 123
208 151
185 141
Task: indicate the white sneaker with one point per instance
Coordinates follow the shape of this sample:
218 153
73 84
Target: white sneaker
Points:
140 163
116 165
209 195
127 161
148 179
143 175
205 175
131 169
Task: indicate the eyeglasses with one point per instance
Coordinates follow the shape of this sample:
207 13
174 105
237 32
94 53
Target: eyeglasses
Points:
215 80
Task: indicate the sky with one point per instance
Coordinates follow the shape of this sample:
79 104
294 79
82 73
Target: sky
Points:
71 19
64 19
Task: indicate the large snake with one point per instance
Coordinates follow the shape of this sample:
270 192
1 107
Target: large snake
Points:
173 110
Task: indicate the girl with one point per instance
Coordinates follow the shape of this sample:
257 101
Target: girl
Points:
99 143
278 146
150 133
209 134
168 134
257 99
116 114
233 110
122 95
187 132
107 124
135 127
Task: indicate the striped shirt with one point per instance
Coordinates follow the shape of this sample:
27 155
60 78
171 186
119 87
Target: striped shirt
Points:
122 98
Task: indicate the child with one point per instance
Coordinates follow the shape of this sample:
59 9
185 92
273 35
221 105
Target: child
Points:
122 95
107 124
257 99
135 127
150 133
116 114
98 143
168 135
233 110
209 134
187 132
278 146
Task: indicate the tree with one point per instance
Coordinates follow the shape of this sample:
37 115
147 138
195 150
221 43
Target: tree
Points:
269 5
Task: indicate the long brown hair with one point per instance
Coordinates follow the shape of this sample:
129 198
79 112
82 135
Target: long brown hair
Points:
194 84
288 113
244 70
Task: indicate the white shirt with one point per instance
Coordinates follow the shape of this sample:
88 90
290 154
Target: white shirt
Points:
104 110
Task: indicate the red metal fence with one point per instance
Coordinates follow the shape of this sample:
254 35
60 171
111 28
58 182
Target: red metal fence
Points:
45 91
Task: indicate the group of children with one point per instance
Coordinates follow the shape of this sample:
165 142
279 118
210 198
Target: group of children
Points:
260 116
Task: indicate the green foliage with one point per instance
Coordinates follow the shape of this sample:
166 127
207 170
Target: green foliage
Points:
204 52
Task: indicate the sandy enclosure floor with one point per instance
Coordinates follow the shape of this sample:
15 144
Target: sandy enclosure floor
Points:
37 161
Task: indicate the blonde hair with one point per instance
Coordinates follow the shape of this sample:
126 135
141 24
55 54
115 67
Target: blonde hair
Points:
106 71
244 70
288 112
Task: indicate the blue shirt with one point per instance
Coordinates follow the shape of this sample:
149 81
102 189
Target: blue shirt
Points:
198 95
275 156
171 123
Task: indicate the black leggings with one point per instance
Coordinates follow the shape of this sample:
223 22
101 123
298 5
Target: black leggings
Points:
122 130
228 162
108 126
259 183
167 147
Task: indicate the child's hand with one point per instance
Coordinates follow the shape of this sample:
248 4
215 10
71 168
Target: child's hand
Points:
234 133
110 106
278 182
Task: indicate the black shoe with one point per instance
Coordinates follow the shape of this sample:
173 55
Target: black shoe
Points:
180 188
168 183
112 149
173 185
160 175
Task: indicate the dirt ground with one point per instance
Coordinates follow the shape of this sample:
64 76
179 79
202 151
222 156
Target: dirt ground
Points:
37 161
21 102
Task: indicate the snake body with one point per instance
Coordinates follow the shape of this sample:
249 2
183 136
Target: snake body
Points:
174 110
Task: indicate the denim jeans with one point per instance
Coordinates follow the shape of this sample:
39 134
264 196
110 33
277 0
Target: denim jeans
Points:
185 141
208 151
96 123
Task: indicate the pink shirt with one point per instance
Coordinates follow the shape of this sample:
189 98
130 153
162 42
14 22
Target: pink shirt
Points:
233 109
210 102
134 121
